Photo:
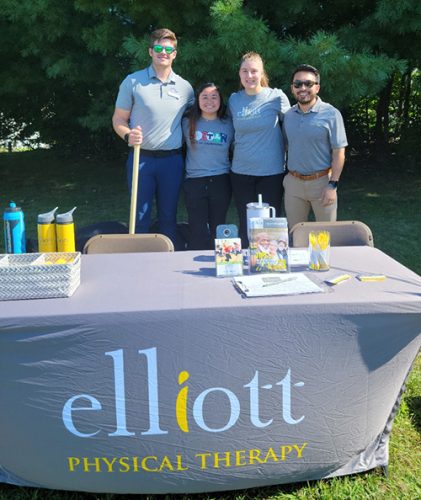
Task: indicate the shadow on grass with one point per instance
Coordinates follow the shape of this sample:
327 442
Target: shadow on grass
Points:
10 492
414 406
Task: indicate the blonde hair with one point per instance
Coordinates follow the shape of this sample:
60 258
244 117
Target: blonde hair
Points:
254 56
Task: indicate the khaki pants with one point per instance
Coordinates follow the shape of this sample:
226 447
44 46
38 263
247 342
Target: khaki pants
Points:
301 196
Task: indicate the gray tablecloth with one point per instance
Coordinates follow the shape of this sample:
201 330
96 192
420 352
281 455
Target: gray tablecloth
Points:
158 377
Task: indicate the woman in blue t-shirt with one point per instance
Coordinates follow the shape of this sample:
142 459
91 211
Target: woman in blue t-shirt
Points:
208 133
258 165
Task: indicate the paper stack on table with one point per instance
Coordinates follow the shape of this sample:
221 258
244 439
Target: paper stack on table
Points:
264 285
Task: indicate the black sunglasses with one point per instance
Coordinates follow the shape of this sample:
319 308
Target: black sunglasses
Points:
307 83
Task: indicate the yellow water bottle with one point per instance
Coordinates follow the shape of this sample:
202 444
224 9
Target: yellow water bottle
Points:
47 232
65 230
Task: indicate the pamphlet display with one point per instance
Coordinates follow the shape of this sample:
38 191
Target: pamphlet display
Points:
268 250
228 257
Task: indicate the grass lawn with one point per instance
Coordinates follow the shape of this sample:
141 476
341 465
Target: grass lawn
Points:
386 197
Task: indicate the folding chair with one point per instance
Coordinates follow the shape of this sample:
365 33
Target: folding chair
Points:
342 233
128 243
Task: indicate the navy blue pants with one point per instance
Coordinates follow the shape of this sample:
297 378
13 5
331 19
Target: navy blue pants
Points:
160 177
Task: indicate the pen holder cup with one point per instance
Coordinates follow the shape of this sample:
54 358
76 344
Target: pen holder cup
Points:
319 251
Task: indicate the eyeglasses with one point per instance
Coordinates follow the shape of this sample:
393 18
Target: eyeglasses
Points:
307 83
160 48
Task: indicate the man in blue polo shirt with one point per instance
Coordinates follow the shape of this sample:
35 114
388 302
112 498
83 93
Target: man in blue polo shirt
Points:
148 111
316 142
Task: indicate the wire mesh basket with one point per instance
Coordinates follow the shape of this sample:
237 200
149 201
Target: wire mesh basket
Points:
39 275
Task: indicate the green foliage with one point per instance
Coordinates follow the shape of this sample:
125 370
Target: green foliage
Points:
63 61
400 17
345 76
405 117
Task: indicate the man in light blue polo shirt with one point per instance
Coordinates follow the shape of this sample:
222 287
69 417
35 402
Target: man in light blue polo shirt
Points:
148 111
316 142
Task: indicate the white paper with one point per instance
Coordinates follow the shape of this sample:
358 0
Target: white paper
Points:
298 257
263 285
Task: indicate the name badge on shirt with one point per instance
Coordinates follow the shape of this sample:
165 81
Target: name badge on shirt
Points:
173 93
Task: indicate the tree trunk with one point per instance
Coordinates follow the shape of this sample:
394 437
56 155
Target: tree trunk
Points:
381 133
407 97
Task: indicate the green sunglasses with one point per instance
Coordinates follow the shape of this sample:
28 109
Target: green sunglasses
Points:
160 48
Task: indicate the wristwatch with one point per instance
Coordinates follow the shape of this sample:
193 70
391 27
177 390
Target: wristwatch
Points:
126 138
333 184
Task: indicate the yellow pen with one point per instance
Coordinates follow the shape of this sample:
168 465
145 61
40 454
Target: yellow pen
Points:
371 277
339 279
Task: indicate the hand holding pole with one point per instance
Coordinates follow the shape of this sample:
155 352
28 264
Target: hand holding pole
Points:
135 177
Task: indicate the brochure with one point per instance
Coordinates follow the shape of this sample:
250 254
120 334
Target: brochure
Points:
228 257
268 250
